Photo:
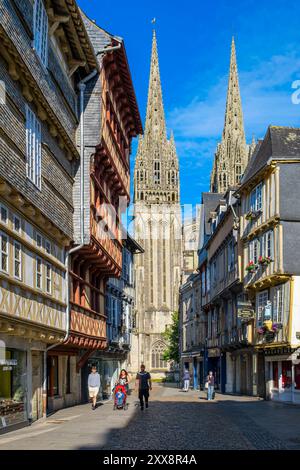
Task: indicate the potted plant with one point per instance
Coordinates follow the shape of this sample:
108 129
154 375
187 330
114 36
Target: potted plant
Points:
264 260
276 327
251 267
261 330
252 215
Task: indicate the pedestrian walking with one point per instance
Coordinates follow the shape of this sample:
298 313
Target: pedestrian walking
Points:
186 380
94 385
143 385
210 386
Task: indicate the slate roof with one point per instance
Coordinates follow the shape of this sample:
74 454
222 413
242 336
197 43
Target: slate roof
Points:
210 202
279 142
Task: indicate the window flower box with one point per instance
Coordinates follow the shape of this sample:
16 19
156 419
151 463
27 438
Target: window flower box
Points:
264 260
253 215
251 267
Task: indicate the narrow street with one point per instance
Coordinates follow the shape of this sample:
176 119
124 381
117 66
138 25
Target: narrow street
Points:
174 421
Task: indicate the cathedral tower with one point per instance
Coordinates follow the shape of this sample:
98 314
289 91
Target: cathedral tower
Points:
232 153
158 229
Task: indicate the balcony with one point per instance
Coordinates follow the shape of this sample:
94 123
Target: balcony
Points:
87 328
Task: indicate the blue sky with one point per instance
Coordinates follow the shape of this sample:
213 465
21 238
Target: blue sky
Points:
194 40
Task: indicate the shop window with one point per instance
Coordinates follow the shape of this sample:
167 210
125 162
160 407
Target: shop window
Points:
275 374
12 387
297 376
286 374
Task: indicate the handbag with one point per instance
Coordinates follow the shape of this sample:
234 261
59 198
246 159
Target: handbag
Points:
206 385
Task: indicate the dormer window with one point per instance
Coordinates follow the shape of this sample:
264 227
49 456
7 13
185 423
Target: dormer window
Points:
41 31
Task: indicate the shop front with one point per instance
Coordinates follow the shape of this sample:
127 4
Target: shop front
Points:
109 369
283 374
214 365
21 367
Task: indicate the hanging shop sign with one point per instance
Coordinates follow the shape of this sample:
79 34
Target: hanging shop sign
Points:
245 310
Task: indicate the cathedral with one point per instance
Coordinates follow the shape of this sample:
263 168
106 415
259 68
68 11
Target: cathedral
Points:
157 225
232 152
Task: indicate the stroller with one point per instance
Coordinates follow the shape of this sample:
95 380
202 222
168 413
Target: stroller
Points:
120 396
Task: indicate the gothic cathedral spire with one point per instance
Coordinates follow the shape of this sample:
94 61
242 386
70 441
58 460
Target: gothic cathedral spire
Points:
156 176
157 228
155 127
232 153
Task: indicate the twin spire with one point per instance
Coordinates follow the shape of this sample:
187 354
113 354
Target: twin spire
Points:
232 153
155 127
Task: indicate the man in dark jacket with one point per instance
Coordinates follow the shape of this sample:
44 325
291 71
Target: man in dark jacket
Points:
143 385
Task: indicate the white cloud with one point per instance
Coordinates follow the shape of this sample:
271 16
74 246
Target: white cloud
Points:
266 99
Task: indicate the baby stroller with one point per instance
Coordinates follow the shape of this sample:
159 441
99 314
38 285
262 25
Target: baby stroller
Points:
120 395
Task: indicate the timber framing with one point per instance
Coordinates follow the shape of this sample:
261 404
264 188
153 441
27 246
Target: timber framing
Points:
9 193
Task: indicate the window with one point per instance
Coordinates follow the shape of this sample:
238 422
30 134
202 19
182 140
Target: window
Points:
38 273
254 251
39 240
48 278
203 290
3 252
41 31
267 244
17 260
33 147
262 300
48 247
17 223
256 198
238 173
230 255
3 214
278 304
157 356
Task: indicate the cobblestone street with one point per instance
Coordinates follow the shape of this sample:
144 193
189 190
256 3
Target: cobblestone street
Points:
174 421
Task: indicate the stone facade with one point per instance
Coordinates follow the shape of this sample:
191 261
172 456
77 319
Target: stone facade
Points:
157 230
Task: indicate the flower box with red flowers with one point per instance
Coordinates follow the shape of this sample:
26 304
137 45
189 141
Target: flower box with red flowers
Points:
264 260
251 267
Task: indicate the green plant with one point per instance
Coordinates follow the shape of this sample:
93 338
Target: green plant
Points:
171 336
